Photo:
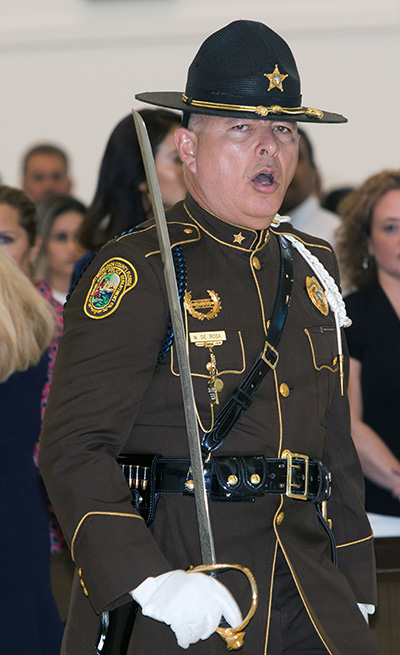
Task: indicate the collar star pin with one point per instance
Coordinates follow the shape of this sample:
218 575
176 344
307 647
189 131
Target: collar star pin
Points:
275 79
238 238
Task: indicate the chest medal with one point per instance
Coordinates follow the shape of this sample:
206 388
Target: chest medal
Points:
213 304
317 295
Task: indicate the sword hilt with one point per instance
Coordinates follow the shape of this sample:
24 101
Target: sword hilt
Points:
233 637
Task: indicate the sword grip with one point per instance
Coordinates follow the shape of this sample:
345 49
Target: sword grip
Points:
233 637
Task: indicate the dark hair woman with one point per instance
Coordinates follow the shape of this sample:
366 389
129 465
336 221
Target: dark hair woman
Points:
369 251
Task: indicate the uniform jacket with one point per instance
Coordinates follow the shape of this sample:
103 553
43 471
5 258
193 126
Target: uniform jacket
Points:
109 397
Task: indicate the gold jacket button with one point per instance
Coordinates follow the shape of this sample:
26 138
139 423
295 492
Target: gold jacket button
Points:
256 263
280 518
284 390
232 480
189 485
255 479
188 230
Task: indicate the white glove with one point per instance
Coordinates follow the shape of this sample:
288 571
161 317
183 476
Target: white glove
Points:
191 603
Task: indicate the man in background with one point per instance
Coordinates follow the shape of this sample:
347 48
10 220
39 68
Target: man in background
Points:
45 172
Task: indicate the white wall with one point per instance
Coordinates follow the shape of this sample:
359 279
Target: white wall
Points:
70 70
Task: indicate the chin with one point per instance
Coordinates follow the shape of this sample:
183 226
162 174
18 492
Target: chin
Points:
267 207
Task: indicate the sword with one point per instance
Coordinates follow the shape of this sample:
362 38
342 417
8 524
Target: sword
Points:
232 637
193 436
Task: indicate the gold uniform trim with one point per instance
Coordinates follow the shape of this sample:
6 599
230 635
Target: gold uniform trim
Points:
271 590
225 243
300 590
224 372
196 237
260 110
318 368
358 541
78 527
152 227
129 234
260 299
310 244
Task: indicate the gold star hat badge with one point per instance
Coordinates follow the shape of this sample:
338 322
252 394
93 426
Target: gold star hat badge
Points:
275 79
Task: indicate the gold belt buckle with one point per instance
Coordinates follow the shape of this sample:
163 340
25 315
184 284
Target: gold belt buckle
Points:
289 473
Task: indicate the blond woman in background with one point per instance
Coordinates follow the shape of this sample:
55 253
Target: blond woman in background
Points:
29 621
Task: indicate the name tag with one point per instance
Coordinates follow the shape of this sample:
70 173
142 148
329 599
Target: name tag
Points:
207 339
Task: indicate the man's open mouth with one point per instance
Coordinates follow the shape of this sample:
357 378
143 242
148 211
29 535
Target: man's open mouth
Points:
266 179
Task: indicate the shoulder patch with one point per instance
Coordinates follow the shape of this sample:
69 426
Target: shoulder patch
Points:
115 278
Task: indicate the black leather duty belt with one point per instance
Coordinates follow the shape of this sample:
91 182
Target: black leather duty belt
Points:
234 478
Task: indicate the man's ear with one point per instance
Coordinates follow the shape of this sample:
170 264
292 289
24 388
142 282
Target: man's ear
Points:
185 142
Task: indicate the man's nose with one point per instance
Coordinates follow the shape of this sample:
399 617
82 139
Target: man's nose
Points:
268 144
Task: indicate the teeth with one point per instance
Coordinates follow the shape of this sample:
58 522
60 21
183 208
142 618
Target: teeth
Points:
265 178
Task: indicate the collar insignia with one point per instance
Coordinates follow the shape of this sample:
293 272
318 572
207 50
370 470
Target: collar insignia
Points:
213 303
275 79
317 295
238 238
115 278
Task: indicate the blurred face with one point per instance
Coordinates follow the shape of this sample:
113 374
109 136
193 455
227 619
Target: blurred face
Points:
384 242
46 176
304 181
170 171
14 239
239 168
63 251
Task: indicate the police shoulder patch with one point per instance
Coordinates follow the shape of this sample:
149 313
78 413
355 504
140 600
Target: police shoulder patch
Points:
115 278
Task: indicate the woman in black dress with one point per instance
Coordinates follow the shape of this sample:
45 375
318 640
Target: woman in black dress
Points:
369 250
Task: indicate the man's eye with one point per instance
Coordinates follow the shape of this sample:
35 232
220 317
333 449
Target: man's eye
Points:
240 128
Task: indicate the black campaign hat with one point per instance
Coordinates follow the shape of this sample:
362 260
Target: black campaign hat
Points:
246 70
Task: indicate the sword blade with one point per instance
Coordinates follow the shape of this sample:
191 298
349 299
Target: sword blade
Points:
193 437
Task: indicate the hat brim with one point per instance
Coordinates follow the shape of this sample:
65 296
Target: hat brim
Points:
173 100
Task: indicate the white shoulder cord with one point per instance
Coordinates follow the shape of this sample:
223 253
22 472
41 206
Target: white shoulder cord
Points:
332 292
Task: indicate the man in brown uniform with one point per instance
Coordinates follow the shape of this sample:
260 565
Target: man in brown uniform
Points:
116 390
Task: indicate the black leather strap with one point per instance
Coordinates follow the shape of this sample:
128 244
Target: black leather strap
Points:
228 478
242 397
